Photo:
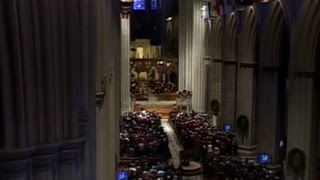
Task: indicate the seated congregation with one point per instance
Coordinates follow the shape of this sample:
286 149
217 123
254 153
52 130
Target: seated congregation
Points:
217 149
145 149
237 168
142 135
143 169
196 132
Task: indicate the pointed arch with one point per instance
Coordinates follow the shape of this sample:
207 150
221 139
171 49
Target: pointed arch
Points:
273 33
305 44
217 39
247 36
229 38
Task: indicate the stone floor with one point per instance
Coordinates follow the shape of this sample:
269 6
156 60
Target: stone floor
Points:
175 147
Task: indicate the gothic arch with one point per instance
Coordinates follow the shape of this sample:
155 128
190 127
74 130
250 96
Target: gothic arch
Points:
229 35
305 44
247 36
304 77
273 33
217 39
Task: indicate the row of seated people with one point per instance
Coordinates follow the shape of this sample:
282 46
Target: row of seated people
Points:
144 169
143 135
237 168
159 87
196 131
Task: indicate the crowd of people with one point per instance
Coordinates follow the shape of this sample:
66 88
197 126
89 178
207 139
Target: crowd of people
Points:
237 168
142 138
196 132
160 87
142 135
150 170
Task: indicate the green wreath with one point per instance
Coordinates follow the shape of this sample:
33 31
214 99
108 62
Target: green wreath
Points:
297 160
215 107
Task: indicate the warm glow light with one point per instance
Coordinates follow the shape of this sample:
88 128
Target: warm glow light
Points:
169 19
204 8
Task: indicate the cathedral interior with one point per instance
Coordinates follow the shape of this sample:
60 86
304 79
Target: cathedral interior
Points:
159 89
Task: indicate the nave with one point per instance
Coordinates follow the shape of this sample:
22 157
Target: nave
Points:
198 149
175 148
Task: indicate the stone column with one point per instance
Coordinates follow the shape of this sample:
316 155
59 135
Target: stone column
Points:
186 24
182 43
228 102
125 63
216 80
300 118
108 115
46 42
268 112
246 104
198 53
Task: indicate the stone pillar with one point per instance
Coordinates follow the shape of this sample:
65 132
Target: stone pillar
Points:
216 80
125 63
191 52
108 70
268 112
186 24
44 54
246 86
228 102
198 53
207 63
300 118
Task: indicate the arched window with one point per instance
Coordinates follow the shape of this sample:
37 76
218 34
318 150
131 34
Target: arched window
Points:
138 5
154 4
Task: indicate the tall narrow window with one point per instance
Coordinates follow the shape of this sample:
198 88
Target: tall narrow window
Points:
154 4
138 5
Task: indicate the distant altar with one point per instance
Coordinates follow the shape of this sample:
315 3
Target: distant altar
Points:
183 100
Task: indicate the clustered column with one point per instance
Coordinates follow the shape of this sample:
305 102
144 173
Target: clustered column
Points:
44 58
191 52
229 70
125 63
215 82
268 108
246 100
300 117
108 73
185 44
198 53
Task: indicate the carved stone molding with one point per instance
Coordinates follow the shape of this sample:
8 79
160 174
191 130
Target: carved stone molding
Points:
248 64
302 74
217 60
271 69
230 62
12 160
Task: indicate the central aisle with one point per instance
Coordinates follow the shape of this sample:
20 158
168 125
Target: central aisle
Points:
175 148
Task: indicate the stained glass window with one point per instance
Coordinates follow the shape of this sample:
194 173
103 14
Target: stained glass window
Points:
138 5
154 4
